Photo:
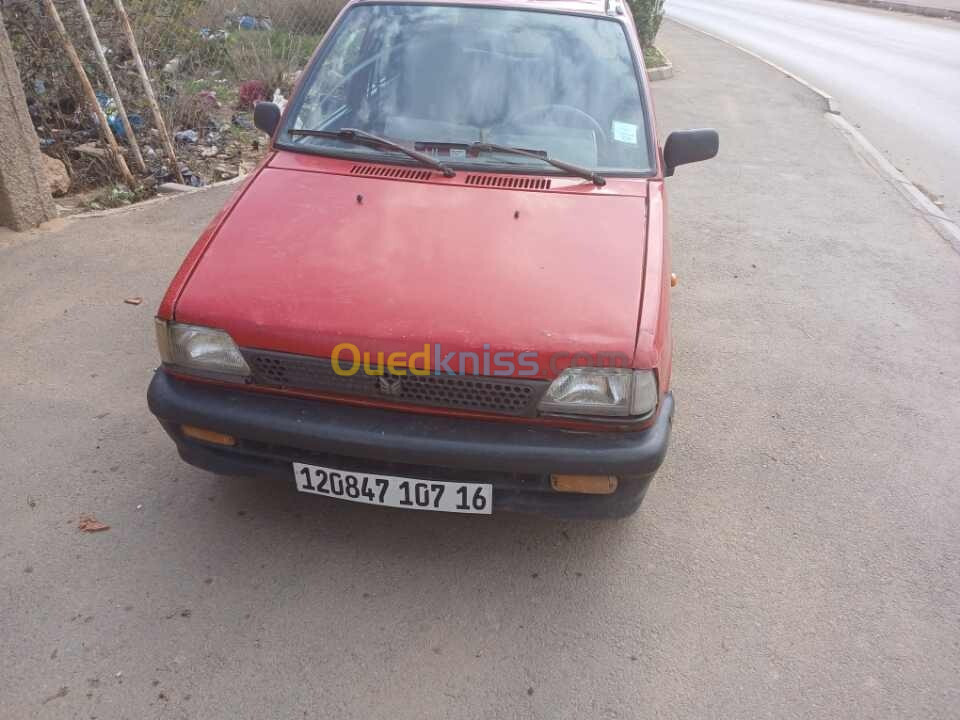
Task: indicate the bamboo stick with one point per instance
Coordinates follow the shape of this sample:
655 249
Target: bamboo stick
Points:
105 130
147 88
108 76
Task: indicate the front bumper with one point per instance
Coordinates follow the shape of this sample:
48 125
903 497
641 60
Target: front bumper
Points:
273 431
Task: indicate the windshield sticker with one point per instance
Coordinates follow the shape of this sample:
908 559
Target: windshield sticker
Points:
458 153
624 132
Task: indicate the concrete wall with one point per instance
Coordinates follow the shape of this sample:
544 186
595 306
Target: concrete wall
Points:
25 199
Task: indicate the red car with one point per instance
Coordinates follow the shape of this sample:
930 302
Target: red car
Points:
447 286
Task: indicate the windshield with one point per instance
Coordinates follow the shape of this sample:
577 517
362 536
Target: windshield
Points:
439 78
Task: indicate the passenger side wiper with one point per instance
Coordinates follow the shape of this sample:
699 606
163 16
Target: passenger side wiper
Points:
361 137
583 172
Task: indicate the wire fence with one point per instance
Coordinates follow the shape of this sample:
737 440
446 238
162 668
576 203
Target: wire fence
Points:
208 63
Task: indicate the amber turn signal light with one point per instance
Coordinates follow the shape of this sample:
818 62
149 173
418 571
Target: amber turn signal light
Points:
585 484
209 436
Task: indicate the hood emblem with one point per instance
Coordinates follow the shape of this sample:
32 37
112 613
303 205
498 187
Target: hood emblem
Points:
390 385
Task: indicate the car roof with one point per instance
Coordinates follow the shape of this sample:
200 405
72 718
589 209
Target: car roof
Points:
587 7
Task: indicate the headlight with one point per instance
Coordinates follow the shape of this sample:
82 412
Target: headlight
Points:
193 347
610 392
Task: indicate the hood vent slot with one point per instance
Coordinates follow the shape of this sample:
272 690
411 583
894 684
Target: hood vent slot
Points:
392 173
513 182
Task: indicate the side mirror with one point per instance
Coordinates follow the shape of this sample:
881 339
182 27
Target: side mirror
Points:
266 116
689 146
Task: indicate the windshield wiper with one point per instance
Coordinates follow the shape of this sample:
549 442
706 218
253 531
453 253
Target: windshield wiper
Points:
583 172
364 138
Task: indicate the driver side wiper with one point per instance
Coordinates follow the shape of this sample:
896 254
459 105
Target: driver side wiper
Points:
577 170
361 137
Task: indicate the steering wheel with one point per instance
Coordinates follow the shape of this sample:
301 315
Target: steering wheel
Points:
543 110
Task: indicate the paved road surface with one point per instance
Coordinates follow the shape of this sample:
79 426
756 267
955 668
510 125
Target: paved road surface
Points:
797 557
896 76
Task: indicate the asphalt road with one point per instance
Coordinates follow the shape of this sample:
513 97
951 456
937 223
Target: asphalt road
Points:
797 557
896 76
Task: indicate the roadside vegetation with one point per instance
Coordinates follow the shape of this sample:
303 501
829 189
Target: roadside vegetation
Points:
653 58
648 15
209 62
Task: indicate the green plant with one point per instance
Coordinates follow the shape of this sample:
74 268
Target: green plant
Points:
270 57
647 14
184 109
165 30
304 17
653 58
115 196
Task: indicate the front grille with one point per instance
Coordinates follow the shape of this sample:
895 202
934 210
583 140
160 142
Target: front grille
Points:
504 396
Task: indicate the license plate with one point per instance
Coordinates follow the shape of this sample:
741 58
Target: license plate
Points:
398 492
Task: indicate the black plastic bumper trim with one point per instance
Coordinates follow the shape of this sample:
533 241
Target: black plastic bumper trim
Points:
394 436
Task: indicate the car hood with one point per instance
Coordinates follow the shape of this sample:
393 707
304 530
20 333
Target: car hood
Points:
309 259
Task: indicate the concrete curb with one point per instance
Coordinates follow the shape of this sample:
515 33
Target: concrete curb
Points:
156 199
664 72
947 228
933 12
941 222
